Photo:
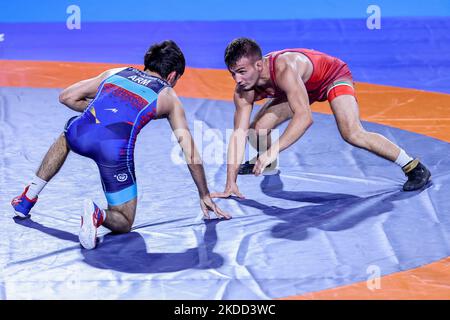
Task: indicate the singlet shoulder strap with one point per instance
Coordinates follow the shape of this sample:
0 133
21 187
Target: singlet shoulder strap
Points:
273 76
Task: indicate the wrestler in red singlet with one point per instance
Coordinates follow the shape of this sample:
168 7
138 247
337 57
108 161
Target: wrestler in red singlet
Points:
324 82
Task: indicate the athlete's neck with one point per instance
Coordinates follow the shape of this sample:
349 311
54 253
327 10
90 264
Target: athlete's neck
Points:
265 80
153 74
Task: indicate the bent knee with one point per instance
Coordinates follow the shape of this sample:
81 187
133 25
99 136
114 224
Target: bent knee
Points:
124 228
260 129
355 137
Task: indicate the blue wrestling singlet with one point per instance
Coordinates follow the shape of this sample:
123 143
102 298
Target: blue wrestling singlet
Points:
106 131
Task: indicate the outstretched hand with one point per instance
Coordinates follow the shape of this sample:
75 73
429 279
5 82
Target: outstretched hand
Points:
263 161
207 205
229 191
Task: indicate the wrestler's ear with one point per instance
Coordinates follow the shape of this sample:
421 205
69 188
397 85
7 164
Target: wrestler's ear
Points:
172 78
259 64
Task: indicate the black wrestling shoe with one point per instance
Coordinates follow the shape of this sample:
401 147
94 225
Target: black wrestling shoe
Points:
246 168
418 175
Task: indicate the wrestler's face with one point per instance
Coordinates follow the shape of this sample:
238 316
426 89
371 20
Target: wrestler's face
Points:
246 73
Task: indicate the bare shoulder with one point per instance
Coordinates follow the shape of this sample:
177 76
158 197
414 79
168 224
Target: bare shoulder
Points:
291 61
111 72
168 94
167 102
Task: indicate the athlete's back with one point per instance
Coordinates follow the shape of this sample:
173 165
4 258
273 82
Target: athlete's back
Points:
106 131
124 104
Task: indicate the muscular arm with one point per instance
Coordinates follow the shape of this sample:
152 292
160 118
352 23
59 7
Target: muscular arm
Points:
236 147
178 122
78 95
290 81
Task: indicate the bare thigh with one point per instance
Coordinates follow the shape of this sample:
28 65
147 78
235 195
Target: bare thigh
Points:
346 112
272 113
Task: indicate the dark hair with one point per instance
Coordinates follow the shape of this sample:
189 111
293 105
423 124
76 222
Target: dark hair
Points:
241 47
164 58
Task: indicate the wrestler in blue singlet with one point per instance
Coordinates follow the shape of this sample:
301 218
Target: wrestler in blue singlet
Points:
106 131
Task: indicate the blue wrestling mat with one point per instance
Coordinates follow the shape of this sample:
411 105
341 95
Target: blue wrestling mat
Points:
331 213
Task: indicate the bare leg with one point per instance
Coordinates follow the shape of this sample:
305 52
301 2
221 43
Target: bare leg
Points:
54 159
119 219
346 113
272 114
